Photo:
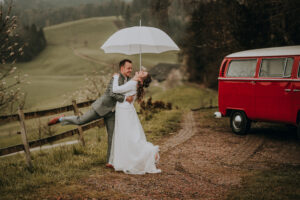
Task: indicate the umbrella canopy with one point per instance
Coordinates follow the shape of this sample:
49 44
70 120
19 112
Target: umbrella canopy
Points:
139 39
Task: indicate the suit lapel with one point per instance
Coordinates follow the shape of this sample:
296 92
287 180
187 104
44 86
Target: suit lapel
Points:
122 79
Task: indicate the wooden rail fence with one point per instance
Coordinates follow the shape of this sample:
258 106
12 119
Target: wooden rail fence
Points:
21 117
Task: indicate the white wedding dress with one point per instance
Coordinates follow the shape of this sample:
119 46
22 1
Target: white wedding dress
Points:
130 151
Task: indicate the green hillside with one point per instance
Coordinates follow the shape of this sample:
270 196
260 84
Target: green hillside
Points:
73 50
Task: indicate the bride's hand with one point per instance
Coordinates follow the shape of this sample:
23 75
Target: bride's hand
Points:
136 76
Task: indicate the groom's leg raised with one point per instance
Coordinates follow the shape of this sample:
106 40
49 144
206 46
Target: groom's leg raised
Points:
87 117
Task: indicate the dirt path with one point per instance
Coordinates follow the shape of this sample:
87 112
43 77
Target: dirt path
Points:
199 162
186 132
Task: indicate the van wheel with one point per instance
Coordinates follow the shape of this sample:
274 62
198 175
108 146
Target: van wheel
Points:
239 122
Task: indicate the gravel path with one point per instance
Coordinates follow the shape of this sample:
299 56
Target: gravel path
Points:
186 132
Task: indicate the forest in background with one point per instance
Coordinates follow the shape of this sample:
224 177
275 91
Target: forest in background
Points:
218 28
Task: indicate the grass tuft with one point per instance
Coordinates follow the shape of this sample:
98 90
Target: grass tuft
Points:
280 183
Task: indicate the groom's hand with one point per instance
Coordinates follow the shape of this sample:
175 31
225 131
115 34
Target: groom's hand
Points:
129 99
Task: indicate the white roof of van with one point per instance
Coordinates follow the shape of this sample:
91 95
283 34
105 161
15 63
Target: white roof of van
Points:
274 51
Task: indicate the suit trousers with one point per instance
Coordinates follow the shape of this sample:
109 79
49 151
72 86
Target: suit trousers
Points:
91 115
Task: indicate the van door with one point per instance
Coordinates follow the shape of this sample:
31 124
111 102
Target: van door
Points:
273 90
237 90
296 95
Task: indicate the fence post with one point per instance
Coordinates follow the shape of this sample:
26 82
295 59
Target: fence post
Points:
24 137
77 113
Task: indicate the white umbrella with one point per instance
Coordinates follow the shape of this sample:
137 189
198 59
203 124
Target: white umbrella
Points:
138 40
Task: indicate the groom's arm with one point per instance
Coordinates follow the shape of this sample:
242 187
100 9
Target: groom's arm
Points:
118 97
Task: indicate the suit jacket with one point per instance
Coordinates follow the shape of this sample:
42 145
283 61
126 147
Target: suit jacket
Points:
108 100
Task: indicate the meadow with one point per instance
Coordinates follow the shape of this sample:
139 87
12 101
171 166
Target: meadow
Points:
73 50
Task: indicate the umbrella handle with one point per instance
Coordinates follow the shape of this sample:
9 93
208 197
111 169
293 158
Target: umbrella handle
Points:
140 50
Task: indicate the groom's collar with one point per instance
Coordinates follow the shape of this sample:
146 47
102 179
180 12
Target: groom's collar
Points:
124 77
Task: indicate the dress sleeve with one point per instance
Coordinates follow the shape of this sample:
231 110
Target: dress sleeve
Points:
129 86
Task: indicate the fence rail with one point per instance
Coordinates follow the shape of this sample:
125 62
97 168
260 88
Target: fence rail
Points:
37 143
43 113
21 117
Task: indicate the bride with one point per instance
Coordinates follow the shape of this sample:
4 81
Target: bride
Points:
130 152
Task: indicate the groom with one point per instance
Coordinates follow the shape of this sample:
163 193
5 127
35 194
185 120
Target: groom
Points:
103 107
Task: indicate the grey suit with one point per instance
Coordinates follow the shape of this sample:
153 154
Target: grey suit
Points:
104 108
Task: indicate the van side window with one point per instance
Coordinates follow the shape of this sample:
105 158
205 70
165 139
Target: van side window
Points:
242 68
276 67
288 67
299 71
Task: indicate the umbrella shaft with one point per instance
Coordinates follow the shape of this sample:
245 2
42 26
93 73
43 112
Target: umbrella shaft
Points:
140 61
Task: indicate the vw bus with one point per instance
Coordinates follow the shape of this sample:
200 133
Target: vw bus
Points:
260 85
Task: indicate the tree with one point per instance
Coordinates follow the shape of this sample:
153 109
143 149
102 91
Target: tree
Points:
207 41
10 94
160 14
127 16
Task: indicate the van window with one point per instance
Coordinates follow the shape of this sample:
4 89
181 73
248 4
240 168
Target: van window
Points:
288 67
299 71
276 67
242 68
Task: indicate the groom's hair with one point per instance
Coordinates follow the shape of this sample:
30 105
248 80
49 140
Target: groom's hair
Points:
122 62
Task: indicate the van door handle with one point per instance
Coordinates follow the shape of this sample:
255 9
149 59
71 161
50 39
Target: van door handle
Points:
288 90
296 90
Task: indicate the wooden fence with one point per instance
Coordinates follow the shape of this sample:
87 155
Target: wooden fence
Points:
206 107
21 117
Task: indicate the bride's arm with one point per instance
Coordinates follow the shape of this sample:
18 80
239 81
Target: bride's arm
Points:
121 88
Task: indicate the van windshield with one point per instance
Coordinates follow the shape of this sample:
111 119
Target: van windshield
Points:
276 67
242 68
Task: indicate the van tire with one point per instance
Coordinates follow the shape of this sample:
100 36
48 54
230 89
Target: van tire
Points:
239 122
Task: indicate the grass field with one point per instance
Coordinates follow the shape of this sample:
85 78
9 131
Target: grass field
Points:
73 50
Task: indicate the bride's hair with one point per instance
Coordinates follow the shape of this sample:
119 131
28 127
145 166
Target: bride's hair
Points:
141 86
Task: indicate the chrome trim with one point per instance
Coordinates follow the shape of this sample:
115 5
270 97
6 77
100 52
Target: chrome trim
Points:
284 68
237 121
287 90
296 90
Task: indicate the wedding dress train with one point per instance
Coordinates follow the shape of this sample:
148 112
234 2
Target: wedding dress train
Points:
130 152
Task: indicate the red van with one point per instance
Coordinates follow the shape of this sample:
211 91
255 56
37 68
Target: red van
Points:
260 85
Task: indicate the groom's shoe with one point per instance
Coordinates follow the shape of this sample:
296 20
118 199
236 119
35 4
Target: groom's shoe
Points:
109 165
55 120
